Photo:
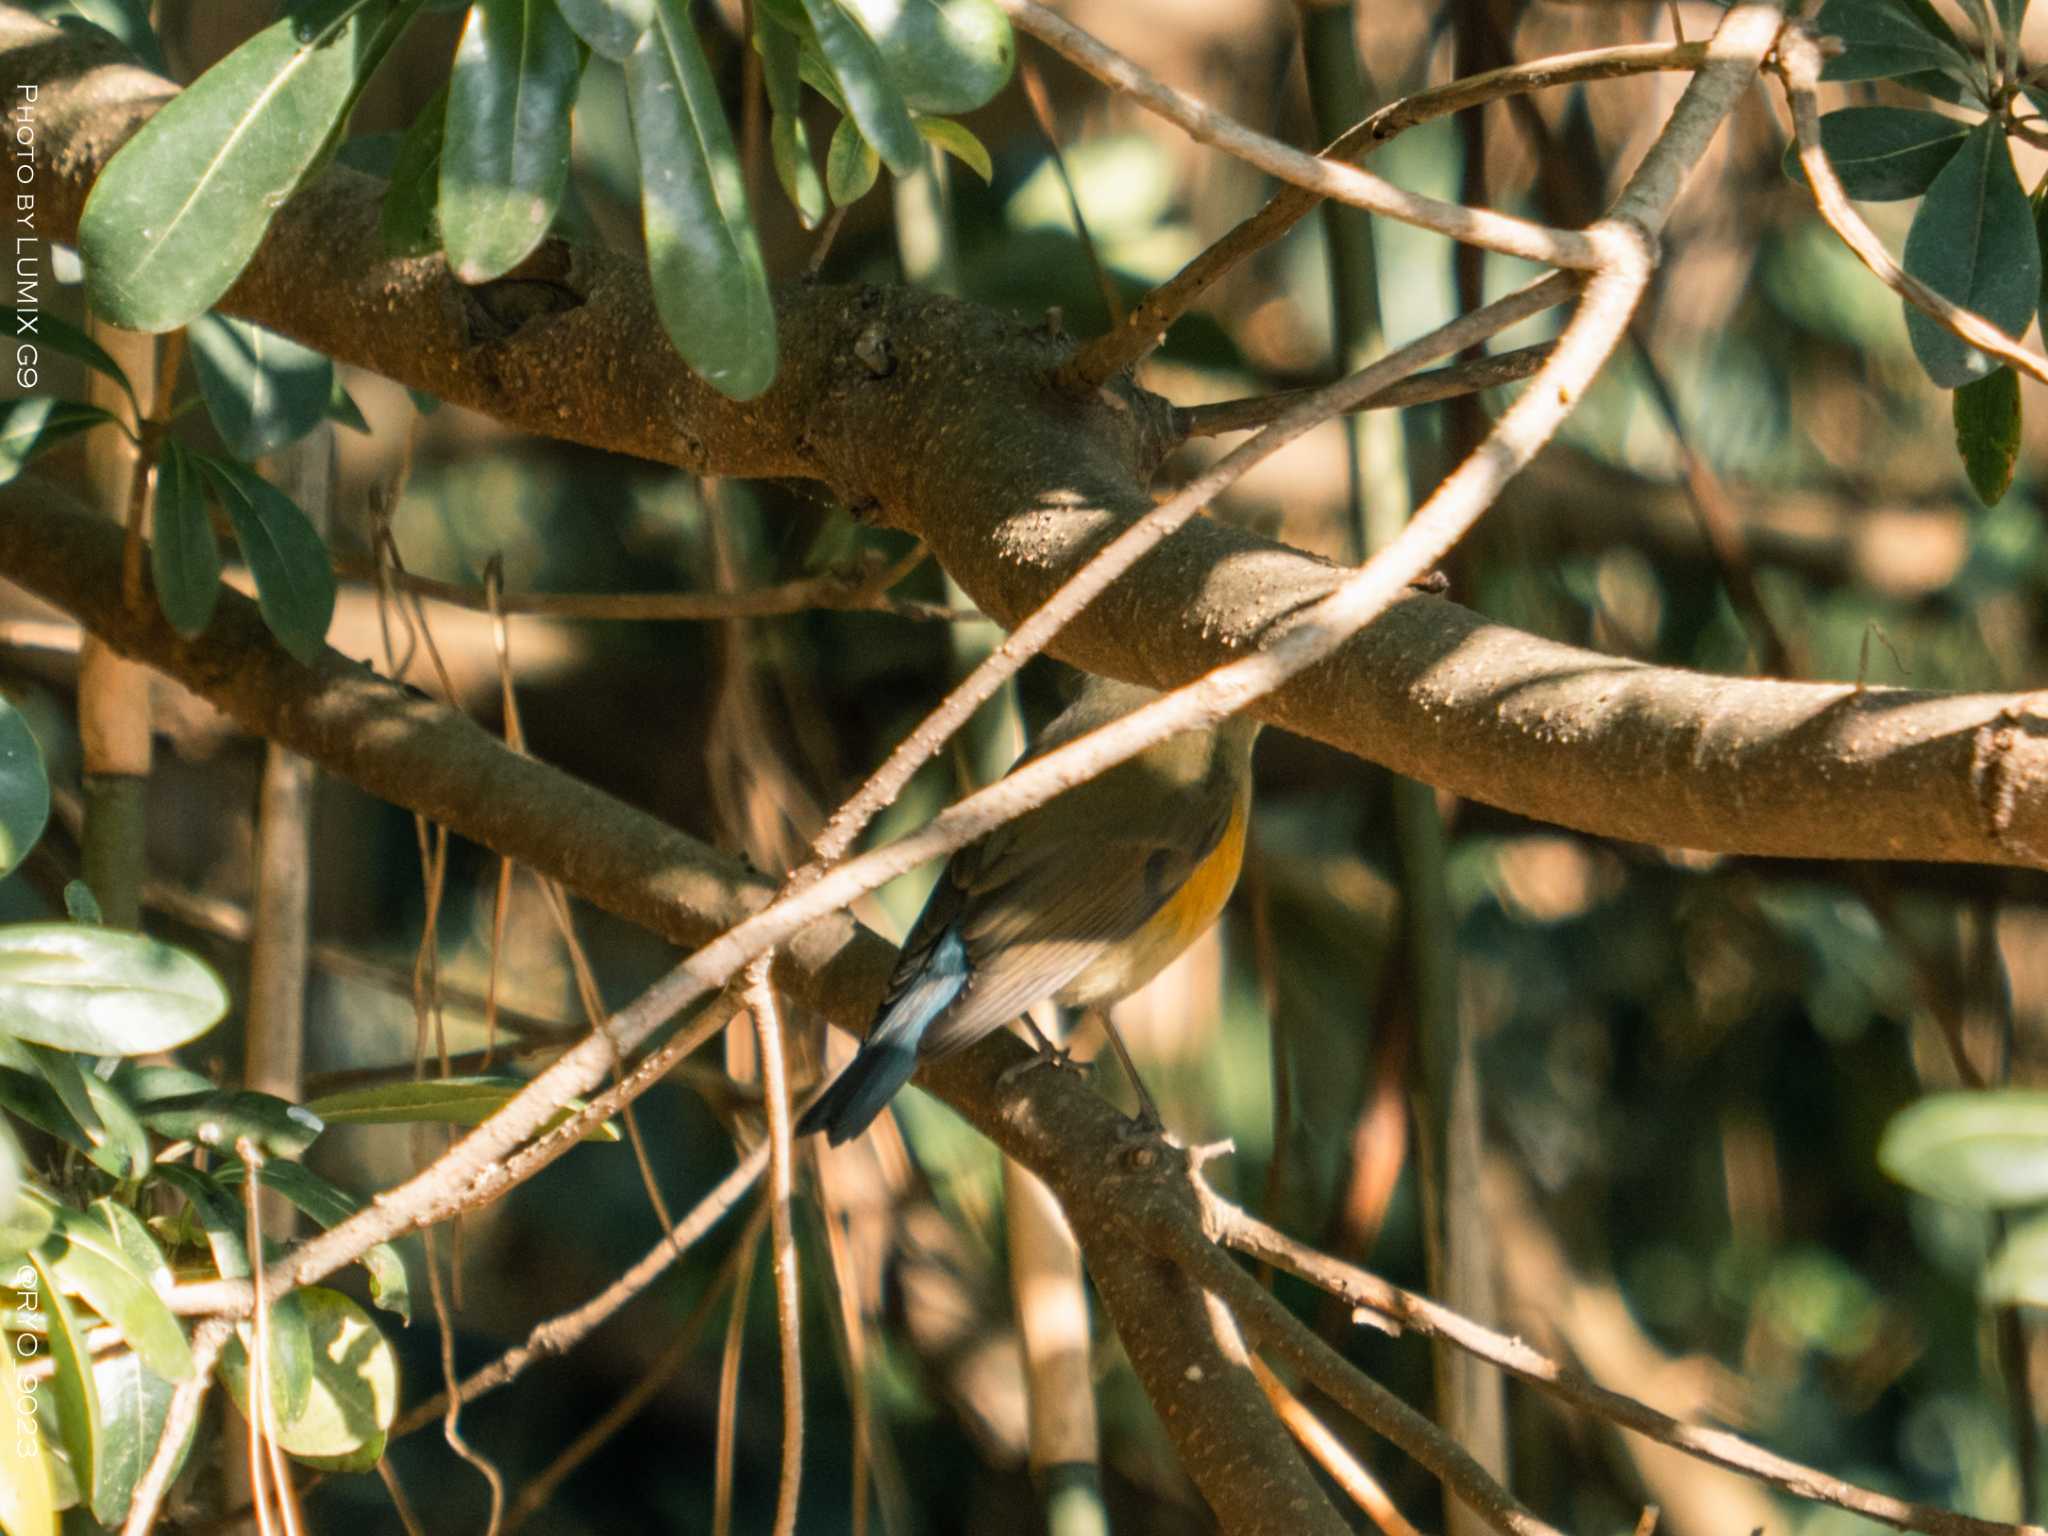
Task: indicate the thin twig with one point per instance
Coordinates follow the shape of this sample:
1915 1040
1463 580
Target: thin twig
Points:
179 1419
729 1387
761 1002
1048 128
1332 1454
1466 378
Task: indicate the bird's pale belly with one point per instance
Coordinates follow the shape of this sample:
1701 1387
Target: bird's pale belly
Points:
1124 967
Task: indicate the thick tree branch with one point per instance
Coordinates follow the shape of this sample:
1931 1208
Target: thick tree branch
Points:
965 441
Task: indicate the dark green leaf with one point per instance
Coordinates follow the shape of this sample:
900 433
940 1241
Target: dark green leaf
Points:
1987 417
23 1223
709 282
184 555
796 168
851 164
871 100
1883 39
103 992
291 1356
35 423
26 1096
423 402
342 408
219 1214
374 154
134 1403
943 55
221 1117
41 328
452 1100
24 788
80 905
329 1205
778 48
261 390
1973 242
127 20
91 1264
1882 154
294 580
817 74
1983 1149
118 1145
505 145
78 1399
410 220
354 1392
143 1082
611 27
182 206
956 140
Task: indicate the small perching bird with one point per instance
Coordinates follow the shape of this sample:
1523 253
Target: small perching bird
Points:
1082 900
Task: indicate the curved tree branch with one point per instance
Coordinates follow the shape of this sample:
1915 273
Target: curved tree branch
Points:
964 440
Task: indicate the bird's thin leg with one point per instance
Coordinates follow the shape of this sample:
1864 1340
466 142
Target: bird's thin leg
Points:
1148 1112
1049 1055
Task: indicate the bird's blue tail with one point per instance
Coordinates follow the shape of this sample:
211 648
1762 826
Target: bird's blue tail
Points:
888 1055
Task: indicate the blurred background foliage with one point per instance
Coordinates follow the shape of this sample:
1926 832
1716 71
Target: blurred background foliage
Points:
1687 1061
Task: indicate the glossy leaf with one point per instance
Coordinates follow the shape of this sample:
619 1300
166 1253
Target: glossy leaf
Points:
261 390
956 140
182 206
77 1394
871 99
90 1263
35 423
117 1144
1988 422
184 554
1973 242
28 1501
450 1100
329 1204
24 788
44 328
101 991
134 1403
291 1356
294 579
1981 1149
611 27
219 1214
851 164
796 167
222 1117
1884 38
943 55
131 1237
354 1393
410 218
1882 154
126 20
505 142
709 282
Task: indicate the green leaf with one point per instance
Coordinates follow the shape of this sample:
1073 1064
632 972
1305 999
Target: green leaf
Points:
221 1117
956 140
261 390
28 1502
1882 154
294 579
91 1264
780 75
78 1399
410 218
1973 242
814 72
24 788
39 328
27 1097
291 1356
851 164
1884 38
943 55
134 1404
451 1100
180 209
103 992
611 27
1987 418
219 1214
1981 1149
871 100
796 168
329 1205
143 1082
132 1237
23 1223
505 146
80 905
118 1145
354 1393
184 555
342 409
127 20
35 423
709 282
